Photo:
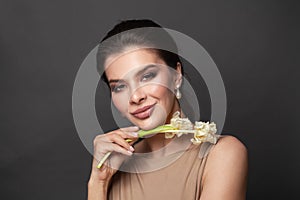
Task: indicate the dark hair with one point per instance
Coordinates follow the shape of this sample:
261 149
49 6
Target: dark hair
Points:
143 33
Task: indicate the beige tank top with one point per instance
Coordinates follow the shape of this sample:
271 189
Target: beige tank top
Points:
177 180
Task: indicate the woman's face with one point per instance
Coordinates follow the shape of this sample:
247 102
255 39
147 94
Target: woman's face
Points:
142 87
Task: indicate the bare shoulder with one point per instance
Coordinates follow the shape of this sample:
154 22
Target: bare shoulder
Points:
229 146
228 151
226 166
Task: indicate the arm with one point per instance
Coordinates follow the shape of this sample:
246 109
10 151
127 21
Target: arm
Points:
99 181
114 142
225 174
97 190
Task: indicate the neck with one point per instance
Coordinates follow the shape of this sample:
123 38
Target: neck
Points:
158 141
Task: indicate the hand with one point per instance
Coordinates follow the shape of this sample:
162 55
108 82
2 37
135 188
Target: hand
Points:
114 142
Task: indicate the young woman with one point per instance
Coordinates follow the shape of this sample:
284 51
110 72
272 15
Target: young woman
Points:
145 85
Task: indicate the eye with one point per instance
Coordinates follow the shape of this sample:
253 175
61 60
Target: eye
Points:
118 88
148 76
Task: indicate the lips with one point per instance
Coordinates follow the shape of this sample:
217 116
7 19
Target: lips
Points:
144 112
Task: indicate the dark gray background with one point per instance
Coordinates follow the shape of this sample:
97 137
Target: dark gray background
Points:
254 43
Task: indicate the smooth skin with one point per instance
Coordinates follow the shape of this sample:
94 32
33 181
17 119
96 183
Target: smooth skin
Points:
113 141
225 174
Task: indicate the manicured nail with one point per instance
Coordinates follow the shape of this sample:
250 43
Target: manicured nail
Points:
131 148
129 152
134 134
135 127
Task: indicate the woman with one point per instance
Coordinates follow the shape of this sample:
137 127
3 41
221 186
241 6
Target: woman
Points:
145 85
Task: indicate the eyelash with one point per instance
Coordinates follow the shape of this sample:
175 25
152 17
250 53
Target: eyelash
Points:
117 88
145 77
148 76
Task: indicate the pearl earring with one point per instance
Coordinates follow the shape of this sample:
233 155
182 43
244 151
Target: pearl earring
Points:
177 93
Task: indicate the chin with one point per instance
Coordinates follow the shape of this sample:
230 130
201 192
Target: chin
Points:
157 118
148 126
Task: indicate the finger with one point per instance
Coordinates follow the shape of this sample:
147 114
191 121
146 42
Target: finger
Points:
119 149
126 134
130 129
129 132
108 137
120 141
110 148
131 137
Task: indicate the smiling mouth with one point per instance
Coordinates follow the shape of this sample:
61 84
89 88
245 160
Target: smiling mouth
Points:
143 112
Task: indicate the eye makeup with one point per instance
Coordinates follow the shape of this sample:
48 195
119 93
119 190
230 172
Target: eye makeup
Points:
147 73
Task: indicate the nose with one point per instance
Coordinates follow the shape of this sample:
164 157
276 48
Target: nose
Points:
138 96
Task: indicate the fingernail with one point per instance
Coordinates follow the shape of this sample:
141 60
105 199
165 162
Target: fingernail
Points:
134 134
131 148
136 127
129 152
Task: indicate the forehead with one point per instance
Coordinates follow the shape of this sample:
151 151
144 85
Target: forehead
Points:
117 66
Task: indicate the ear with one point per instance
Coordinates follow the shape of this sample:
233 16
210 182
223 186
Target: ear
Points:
178 79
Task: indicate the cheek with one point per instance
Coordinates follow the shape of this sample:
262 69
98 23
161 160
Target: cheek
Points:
159 91
120 102
161 86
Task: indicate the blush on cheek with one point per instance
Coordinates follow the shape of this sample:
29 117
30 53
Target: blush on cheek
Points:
157 90
121 103
159 116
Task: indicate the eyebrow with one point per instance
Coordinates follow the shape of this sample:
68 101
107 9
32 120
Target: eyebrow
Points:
138 73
